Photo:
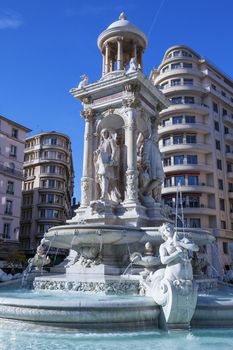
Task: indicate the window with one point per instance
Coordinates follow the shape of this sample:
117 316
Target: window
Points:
216 126
189 119
215 107
179 180
189 99
6 230
166 161
213 86
51 183
195 222
222 204
229 167
166 141
175 82
167 182
223 93
8 207
194 202
166 122
224 112
165 69
50 198
192 180
180 223
186 54
191 159
53 141
226 130
191 138
52 169
176 100
223 225
175 65
177 119
178 160
178 139
188 81
10 187
14 133
13 151
217 145
225 247
164 85
219 164
230 189
220 184
227 148
187 65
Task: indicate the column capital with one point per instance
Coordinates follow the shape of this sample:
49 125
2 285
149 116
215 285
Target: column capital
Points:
131 102
88 114
119 39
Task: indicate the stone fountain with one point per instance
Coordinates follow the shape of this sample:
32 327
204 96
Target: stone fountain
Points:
120 208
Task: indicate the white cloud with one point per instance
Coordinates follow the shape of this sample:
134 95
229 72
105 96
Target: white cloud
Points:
10 20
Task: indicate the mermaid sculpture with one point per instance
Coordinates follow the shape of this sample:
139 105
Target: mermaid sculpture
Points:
173 287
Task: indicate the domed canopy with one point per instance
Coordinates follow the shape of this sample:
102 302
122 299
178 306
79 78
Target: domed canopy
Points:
124 28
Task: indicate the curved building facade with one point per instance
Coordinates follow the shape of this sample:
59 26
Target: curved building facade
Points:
196 141
48 186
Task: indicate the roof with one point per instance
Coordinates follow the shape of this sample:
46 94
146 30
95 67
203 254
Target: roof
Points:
19 126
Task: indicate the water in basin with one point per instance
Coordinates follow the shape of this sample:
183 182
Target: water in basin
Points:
24 336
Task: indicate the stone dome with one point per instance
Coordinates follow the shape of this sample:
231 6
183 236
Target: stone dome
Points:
122 27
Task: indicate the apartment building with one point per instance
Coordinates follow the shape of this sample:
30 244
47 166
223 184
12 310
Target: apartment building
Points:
12 138
196 141
48 186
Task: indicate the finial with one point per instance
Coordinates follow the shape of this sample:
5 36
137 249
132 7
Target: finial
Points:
122 16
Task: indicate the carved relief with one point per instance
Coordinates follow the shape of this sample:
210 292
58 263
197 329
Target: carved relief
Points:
85 191
132 186
132 102
87 114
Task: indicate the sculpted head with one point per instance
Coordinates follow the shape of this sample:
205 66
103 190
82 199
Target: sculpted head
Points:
166 230
105 133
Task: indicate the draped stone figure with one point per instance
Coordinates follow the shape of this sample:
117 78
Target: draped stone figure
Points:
151 174
106 159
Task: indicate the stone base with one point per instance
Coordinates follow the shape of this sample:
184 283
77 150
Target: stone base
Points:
108 285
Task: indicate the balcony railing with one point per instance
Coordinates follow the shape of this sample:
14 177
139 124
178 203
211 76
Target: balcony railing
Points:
11 171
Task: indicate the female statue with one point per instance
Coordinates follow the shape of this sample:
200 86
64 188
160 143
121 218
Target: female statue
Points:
106 159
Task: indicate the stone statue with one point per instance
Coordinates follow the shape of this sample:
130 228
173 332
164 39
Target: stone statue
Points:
173 287
151 174
133 66
148 261
106 159
84 81
40 259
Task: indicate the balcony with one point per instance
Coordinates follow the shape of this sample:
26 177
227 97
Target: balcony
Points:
228 120
229 156
199 209
180 147
200 167
230 175
170 127
176 72
216 92
12 172
182 88
189 188
230 194
229 137
185 107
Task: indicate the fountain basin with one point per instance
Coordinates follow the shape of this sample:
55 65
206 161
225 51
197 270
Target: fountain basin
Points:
79 310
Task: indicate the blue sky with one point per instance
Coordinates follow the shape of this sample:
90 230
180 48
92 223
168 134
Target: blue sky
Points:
47 44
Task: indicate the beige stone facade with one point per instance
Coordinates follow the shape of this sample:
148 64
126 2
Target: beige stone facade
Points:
48 186
196 141
12 137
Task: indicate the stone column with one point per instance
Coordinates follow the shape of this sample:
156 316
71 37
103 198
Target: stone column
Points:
87 176
130 140
135 51
107 51
103 65
119 53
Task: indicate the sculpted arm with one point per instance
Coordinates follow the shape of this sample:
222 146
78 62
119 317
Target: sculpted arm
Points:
165 257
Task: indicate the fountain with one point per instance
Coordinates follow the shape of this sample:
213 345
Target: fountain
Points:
120 214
